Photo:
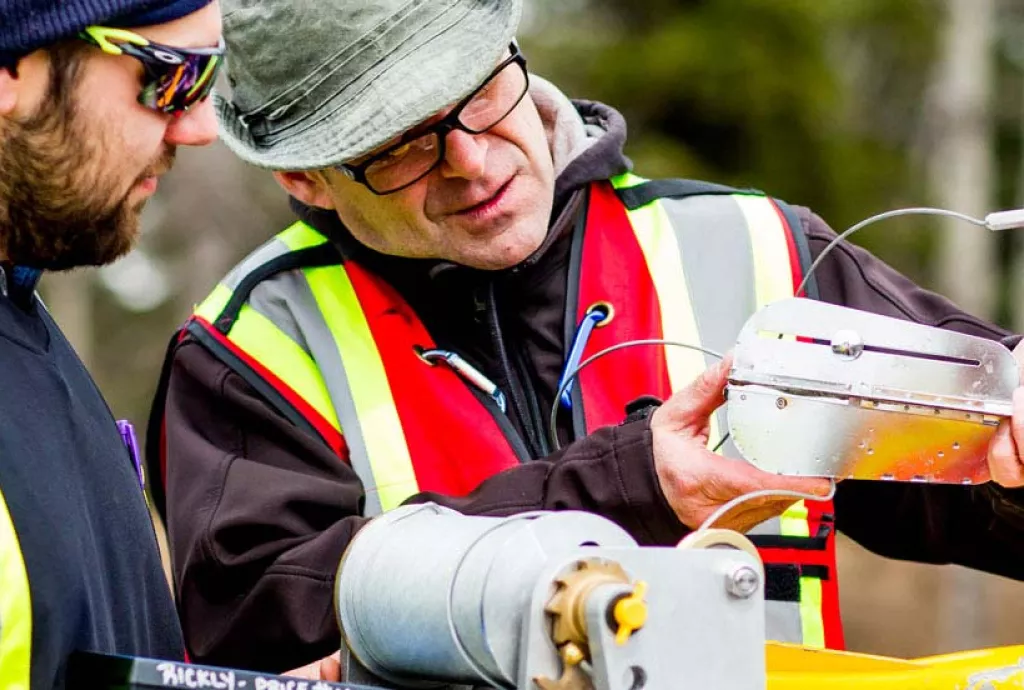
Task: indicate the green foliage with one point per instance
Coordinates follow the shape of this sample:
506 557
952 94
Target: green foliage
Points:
815 101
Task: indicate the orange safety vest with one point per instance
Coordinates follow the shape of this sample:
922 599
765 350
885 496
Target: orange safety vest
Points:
336 350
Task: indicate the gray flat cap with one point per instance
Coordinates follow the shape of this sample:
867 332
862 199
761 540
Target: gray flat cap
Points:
315 83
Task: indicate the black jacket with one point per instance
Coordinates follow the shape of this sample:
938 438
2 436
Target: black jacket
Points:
73 495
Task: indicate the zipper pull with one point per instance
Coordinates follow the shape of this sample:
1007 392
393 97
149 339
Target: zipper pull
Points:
466 370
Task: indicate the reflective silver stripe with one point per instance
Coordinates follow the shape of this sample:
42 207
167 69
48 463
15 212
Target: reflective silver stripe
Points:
267 252
272 298
718 264
314 335
770 526
783 621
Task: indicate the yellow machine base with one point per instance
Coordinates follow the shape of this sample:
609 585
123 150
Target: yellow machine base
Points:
791 667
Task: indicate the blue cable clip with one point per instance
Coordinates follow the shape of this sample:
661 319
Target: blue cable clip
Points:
594 316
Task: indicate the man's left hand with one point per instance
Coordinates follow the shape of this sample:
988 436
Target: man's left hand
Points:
1005 463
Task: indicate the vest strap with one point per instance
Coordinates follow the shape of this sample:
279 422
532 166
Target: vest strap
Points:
803 247
818 542
644 193
321 255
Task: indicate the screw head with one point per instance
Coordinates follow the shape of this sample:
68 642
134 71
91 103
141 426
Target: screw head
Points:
743 582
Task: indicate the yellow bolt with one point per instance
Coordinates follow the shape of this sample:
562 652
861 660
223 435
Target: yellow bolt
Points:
630 613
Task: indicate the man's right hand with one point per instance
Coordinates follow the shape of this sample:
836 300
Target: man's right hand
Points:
696 481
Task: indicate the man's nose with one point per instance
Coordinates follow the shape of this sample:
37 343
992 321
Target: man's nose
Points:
197 127
465 155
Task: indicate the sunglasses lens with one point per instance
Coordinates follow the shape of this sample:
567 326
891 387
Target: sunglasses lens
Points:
178 87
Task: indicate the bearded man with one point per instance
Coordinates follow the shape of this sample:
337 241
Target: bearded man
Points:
95 96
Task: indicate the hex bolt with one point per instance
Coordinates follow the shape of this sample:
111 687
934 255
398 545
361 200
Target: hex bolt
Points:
743 582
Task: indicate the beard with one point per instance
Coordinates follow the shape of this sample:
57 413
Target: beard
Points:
59 201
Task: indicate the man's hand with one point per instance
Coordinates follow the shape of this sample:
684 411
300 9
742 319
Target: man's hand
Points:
1004 459
696 481
328 669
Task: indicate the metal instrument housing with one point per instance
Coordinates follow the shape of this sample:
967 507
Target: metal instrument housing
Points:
822 390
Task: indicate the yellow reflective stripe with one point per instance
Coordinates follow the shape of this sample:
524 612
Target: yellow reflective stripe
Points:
626 180
300 236
15 608
381 428
258 337
794 523
213 305
773 277
812 622
267 344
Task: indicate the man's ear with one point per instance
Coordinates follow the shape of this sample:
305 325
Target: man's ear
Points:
8 90
311 187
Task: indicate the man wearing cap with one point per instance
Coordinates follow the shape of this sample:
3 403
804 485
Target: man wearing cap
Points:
95 96
467 236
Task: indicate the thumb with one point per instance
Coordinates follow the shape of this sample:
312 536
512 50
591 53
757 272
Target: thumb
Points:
705 394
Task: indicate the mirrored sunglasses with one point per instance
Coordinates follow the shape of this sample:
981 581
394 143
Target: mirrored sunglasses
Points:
176 78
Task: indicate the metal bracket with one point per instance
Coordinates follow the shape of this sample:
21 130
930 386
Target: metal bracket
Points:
698 632
822 390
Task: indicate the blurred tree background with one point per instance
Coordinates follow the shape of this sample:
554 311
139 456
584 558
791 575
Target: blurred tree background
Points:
851 107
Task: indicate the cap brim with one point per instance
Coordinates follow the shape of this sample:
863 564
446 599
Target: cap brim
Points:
447 63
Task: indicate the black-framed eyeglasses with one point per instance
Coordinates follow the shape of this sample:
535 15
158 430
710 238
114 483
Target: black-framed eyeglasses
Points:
418 152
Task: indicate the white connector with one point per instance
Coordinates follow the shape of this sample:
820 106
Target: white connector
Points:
1005 220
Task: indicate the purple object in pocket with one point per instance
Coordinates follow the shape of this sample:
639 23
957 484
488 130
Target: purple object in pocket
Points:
131 442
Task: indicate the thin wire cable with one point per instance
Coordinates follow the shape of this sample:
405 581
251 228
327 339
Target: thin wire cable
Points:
925 211
460 644
763 493
571 376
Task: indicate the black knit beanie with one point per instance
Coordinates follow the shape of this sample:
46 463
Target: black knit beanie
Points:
27 25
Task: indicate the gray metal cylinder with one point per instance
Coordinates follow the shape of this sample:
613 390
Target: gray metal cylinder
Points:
424 592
